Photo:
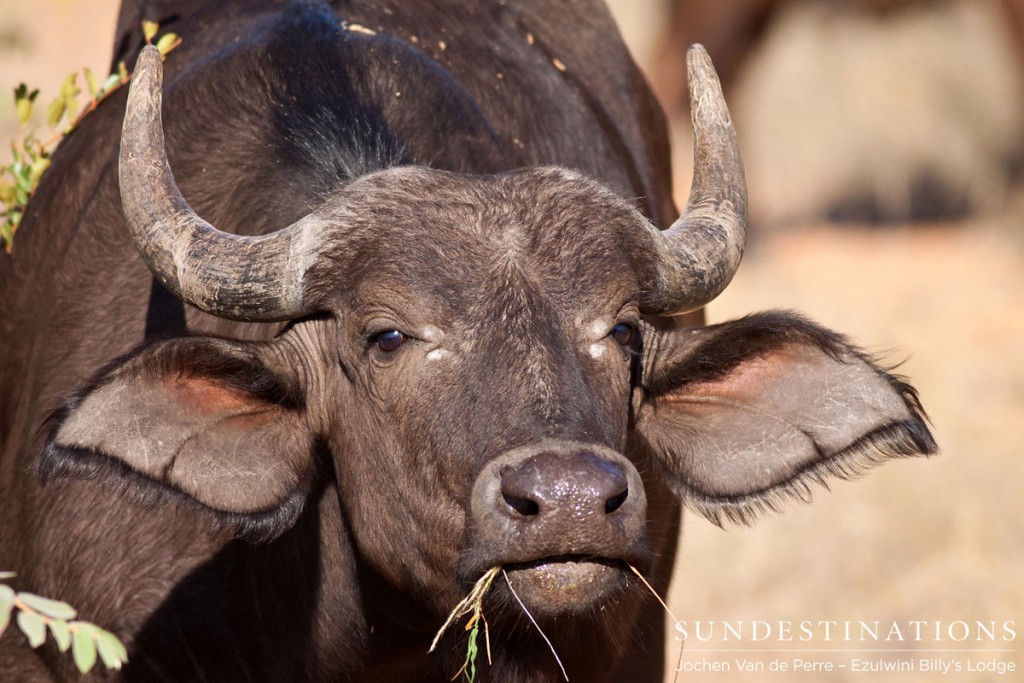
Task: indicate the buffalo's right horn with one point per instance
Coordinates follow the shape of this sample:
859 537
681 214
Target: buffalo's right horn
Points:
698 256
231 276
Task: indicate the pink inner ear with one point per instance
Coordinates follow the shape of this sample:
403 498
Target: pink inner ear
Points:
208 397
774 415
834 401
750 378
207 437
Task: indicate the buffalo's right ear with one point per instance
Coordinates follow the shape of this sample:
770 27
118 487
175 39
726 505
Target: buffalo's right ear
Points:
198 419
740 415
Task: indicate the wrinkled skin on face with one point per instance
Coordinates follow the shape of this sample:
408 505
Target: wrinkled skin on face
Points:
500 352
488 392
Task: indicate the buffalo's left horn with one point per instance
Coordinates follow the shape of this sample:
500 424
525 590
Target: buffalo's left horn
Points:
698 256
231 276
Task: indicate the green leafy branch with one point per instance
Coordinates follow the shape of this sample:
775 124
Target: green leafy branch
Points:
36 615
30 153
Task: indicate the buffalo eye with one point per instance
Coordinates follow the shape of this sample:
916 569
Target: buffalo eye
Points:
622 333
389 340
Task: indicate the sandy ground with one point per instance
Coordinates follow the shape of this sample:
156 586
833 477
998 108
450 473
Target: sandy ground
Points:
934 540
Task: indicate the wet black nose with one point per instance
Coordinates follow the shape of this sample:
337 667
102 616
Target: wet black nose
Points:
558 499
579 484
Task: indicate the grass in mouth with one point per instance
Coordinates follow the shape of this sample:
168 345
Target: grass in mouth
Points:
472 605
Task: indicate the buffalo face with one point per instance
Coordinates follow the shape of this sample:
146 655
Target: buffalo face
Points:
479 382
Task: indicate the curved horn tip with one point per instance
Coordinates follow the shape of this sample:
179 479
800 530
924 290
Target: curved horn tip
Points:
149 54
699 65
697 54
141 131
706 98
148 67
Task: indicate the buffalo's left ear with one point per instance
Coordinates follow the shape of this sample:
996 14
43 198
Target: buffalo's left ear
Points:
742 414
214 424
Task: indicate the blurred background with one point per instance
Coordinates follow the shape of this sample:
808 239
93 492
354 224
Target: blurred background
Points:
884 148
883 143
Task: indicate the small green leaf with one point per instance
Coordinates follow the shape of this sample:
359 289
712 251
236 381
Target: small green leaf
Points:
22 178
90 82
23 100
87 627
61 634
55 609
8 195
6 598
471 653
112 81
122 71
83 649
71 113
112 651
149 29
166 43
24 107
34 628
36 172
69 89
55 111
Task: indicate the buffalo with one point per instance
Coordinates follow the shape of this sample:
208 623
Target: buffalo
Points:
413 305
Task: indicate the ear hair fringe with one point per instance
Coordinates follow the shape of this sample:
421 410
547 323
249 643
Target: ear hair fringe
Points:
64 464
770 329
907 438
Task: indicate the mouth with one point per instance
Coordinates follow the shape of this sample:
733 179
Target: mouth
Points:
565 584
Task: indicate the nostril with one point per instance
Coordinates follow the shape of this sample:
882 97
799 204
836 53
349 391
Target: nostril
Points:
522 505
616 501
522 488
